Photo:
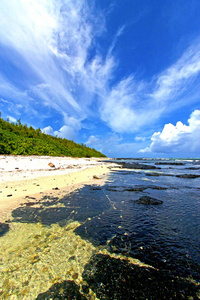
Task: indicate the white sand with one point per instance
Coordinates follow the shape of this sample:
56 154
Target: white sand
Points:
24 177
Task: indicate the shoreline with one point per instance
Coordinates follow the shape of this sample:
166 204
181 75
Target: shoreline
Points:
27 179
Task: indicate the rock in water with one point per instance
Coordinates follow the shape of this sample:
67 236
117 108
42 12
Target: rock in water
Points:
188 176
148 201
3 228
117 279
67 290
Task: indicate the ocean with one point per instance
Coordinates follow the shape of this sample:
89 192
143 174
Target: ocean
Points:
135 237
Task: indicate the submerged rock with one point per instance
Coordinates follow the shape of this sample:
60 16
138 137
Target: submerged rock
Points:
170 163
112 278
67 289
3 228
158 174
95 188
137 166
188 176
148 201
135 188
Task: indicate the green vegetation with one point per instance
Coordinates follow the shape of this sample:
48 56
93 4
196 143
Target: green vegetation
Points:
18 139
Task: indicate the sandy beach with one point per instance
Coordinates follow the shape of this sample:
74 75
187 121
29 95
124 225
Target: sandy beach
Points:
25 179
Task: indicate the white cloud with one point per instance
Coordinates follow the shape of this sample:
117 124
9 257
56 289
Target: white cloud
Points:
92 141
174 81
177 139
53 39
65 131
129 105
12 119
140 138
48 130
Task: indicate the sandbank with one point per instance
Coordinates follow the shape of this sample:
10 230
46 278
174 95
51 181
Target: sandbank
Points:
28 178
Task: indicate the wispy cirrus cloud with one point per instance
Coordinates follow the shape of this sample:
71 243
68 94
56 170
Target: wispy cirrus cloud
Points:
53 39
175 80
65 71
132 104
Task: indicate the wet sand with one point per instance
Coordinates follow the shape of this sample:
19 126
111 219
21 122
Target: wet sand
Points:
28 178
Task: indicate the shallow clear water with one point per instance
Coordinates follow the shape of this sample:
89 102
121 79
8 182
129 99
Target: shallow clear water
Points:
113 229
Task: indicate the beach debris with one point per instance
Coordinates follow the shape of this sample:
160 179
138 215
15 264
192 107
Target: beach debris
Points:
56 188
51 165
10 195
148 201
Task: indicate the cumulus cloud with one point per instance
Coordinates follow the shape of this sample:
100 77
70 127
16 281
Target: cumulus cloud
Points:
48 130
92 141
65 131
179 138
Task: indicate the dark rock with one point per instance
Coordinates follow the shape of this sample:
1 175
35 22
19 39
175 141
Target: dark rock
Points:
96 177
158 174
170 163
67 290
148 201
115 188
154 187
56 188
95 188
135 189
112 278
29 203
153 174
3 228
29 197
188 176
10 195
137 166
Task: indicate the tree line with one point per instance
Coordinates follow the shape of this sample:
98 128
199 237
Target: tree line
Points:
19 139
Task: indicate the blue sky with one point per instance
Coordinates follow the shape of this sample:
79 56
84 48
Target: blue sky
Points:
120 76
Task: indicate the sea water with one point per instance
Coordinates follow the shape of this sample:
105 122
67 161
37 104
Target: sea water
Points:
135 237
